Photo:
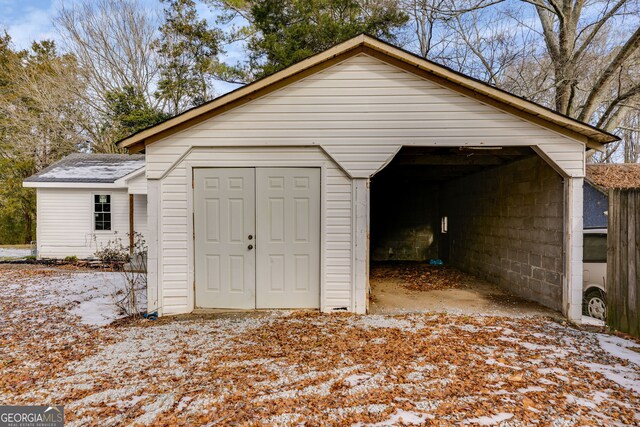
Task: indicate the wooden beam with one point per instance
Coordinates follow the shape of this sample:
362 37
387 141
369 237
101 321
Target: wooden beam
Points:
131 225
447 160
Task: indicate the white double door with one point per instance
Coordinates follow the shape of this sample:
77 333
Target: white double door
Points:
257 237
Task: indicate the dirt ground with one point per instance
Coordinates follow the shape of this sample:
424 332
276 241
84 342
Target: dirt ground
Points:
416 287
288 368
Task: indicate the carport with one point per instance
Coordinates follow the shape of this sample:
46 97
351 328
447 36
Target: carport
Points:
495 213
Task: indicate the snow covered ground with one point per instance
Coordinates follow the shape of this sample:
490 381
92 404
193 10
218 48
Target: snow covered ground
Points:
89 296
6 253
284 368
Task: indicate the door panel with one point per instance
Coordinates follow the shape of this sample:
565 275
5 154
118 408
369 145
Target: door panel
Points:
288 243
224 217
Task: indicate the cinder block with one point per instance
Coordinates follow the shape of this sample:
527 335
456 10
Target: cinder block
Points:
548 263
535 260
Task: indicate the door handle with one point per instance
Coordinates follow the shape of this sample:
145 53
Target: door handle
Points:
250 247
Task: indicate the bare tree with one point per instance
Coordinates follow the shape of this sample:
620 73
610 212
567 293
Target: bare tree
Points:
581 58
430 20
113 41
573 31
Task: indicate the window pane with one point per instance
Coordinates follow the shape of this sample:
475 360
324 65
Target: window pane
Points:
595 248
102 212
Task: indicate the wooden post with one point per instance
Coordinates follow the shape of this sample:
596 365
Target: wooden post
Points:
131 225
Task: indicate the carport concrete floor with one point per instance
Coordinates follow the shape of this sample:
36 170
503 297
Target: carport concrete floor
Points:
391 294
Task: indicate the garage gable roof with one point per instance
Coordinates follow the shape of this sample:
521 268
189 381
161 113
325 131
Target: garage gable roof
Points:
527 110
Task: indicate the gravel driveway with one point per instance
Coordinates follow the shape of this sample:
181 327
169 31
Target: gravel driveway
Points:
285 368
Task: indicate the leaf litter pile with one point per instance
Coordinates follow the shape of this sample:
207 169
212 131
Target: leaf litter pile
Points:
418 276
287 368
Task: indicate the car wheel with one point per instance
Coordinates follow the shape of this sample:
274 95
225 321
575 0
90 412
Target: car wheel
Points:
595 304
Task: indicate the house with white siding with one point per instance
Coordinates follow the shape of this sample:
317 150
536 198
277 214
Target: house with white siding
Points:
86 200
282 193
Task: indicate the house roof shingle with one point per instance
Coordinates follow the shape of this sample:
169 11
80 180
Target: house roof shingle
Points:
611 175
90 168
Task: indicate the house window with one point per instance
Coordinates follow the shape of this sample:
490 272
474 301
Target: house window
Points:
102 212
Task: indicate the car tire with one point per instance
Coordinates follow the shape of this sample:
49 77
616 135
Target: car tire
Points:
595 304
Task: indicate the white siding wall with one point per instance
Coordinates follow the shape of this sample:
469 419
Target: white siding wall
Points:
140 214
138 185
65 221
175 265
361 111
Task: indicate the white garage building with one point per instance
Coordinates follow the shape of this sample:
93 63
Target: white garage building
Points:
261 198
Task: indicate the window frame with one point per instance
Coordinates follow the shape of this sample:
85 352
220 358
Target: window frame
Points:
93 212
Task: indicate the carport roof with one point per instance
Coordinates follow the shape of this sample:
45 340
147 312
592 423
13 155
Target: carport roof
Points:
527 110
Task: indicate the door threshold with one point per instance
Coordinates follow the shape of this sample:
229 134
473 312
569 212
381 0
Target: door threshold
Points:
200 310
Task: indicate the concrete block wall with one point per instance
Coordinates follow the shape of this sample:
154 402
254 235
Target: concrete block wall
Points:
404 220
506 226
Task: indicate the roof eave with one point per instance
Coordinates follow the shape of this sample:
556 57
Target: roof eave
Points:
68 184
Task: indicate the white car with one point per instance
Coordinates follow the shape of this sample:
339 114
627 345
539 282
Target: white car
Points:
594 261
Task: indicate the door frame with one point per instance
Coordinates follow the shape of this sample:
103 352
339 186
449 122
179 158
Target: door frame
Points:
211 164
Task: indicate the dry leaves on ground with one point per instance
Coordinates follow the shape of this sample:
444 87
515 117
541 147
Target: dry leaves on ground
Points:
284 368
418 276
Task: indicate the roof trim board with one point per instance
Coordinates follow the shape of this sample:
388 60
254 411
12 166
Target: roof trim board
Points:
96 185
592 137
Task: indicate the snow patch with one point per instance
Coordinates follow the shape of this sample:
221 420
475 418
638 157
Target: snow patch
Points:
490 421
401 417
621 348
379 321
6 253
624 376
354 380
592 321
571 399
93 169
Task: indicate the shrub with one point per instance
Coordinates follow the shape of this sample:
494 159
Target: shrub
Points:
135 274
71 258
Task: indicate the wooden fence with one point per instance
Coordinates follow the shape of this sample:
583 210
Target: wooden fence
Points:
623 256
